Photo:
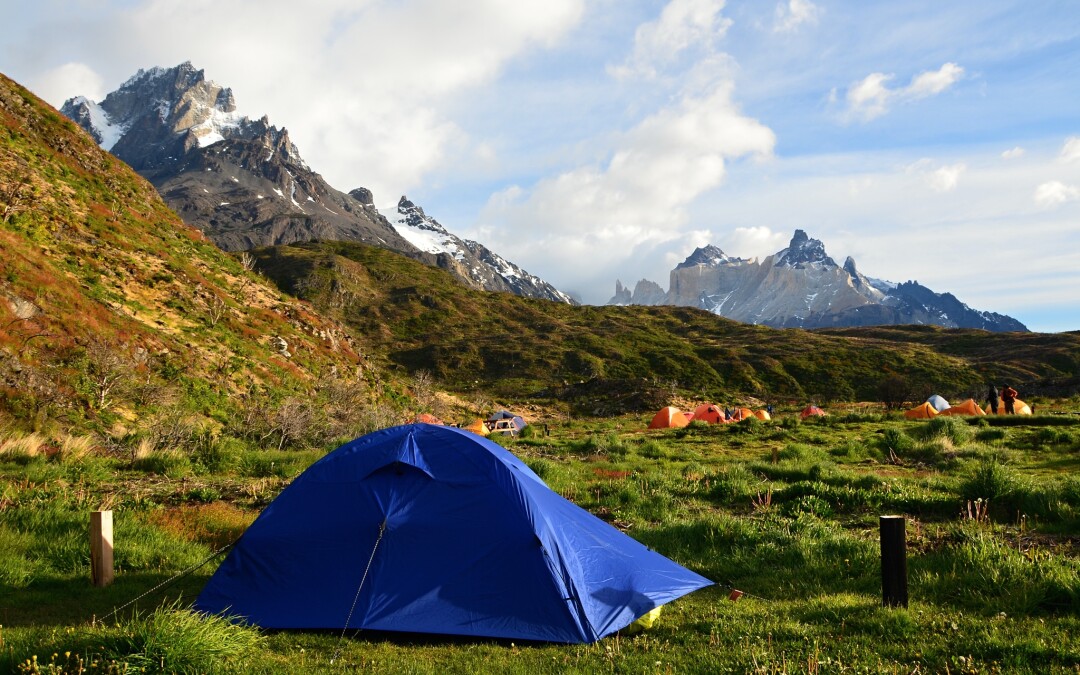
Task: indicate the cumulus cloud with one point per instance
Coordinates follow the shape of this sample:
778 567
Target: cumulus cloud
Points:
1013 153
1055 193
1070 152
364 86
794 14
872 97
943 178
682 24
597 216
57 84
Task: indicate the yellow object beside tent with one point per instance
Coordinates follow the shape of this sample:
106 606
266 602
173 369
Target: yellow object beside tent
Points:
1019 408
478 427
645 621
922 412
968 407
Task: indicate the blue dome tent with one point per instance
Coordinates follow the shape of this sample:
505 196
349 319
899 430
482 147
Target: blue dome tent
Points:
430 529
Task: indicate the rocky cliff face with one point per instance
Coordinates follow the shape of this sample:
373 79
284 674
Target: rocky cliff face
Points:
243 182
469 260
801 286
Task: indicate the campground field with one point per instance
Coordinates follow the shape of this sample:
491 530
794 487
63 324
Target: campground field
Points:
785 511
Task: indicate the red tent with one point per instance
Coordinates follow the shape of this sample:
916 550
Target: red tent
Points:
812 411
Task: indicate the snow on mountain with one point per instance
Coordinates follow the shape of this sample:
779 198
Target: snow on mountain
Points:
422 231
801 286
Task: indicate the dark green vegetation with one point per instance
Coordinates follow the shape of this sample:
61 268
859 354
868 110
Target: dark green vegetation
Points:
994 563
420 319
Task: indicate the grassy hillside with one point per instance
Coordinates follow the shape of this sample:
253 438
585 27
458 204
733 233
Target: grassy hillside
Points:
421 320
115 317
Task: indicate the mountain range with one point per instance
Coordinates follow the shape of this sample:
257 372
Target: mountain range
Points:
802 287
244 184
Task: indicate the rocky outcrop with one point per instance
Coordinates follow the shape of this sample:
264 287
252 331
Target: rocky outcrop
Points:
801 286
243 182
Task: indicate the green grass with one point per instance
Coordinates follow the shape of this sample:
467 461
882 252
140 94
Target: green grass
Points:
997 592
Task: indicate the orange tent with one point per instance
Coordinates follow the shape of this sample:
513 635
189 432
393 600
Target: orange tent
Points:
968 407
668 417
739 414
812 411
428 418
922 412
762 415
1019 408
707 412
478 427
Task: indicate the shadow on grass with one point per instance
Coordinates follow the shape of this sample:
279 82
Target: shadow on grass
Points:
71 601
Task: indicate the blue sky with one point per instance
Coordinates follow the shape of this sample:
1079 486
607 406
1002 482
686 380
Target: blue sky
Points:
590 141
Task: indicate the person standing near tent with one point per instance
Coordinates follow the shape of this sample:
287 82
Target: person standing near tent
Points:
1008 397
992 398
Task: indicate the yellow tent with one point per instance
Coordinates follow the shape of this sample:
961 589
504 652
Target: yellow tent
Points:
762 415
922 412
968 407
478 427
1019 408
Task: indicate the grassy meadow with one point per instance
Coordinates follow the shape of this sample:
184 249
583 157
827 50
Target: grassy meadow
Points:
785 511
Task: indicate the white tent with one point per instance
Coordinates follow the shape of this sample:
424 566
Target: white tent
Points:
938 403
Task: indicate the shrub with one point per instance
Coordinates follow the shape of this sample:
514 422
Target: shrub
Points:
991 480
955 429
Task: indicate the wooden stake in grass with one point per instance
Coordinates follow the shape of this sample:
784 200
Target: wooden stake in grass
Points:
893 561
101 548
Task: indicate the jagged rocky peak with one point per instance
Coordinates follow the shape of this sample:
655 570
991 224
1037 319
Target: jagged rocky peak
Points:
363 195
708 256
161 114
414 216
803 251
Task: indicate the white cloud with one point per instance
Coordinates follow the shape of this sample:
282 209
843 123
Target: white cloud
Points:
751 242
1055 193
364 86
599 216
794 14
682 24
871 97
943 178
56 85
1070 152
1013 153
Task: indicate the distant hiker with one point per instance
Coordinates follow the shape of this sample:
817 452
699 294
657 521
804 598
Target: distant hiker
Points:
992 398
1008 397
768 409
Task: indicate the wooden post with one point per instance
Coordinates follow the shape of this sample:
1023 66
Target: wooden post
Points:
101 548
893 561
776 455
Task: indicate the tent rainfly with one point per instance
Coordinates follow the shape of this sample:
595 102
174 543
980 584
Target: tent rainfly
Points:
921 412
432 529
812 411
707 412
968 407
1019 408
668 417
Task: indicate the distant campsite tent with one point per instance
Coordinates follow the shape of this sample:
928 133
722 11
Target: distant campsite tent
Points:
668 417
504 422
1019 408
762 415
938 403
428 418
431 529
968 407
477 426
921 412
739 414
707 412
812 411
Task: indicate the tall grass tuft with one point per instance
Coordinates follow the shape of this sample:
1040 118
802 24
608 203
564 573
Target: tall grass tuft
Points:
76 448
22 448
